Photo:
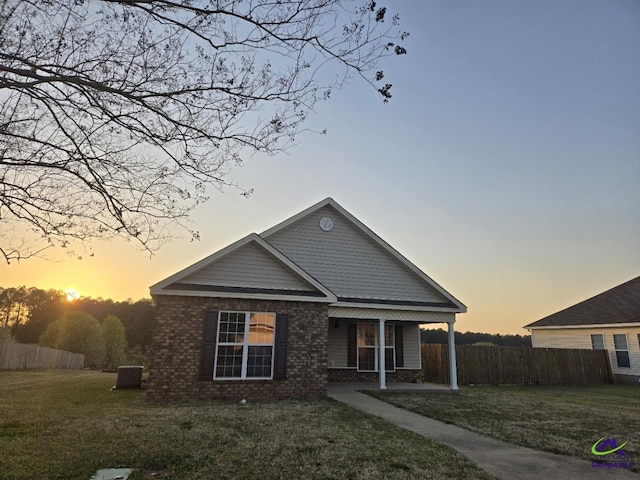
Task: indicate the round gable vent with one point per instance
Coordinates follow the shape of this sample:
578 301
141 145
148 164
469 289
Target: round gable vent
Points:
326 224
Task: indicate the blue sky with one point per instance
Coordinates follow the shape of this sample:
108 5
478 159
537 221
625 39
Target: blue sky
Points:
506 165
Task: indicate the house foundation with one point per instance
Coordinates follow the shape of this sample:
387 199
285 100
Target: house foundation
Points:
351 375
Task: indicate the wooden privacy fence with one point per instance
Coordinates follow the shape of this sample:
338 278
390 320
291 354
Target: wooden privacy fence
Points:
517 365
16 356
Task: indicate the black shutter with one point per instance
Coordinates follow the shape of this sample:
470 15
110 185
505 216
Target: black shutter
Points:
210 335
399 347
352 345
280 350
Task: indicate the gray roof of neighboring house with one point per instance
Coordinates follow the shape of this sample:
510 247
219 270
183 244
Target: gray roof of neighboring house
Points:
620 304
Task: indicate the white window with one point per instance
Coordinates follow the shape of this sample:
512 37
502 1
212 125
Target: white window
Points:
597 341
368 357
245 345
622 350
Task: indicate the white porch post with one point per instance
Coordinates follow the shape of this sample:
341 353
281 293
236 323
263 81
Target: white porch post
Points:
381 352
452 358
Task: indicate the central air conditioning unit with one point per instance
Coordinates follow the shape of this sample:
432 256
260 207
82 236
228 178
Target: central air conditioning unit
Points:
129 377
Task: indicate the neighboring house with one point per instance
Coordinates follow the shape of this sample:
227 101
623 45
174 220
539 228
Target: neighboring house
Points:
610 321
282 313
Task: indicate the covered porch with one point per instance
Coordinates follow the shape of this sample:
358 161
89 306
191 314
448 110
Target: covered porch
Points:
357 356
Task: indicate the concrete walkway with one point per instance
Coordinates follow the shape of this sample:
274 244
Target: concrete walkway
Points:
503 460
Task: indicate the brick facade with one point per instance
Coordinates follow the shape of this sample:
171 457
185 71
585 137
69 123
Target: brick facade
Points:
178 340
353 376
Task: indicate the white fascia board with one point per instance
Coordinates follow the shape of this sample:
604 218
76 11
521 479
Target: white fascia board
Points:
587 326
249 296
371 234
413 308
157 288
160 287
401 258
421 317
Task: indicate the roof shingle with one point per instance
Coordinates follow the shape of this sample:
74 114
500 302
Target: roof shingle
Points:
620 304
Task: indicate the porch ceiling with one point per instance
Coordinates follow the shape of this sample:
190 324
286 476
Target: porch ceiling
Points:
402 315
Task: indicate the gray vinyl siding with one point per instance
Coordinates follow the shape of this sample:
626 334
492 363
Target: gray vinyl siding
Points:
581 338
249 266
338 348
349 263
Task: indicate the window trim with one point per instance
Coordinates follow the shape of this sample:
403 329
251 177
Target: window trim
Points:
376 347
245 346
373 347
621 350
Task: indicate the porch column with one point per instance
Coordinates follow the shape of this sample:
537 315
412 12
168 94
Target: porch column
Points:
452 358
381 352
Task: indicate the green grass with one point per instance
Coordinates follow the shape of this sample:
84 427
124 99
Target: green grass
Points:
566 420
68 424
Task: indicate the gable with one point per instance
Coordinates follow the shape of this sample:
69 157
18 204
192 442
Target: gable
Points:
352 264
322 254
248 268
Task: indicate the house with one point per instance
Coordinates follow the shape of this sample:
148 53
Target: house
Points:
609 321
283 313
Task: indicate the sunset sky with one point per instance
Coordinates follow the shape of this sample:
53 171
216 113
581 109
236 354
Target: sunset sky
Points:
506 165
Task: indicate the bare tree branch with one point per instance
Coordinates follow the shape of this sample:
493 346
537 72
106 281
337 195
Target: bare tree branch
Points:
117 117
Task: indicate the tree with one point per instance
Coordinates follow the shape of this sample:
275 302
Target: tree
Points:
114 341
13 310
42 307
76 332
118 116
5 335
473 338
137 317
139 320
26 313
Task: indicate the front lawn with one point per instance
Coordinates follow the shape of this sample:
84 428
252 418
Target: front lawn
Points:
68 424
566 420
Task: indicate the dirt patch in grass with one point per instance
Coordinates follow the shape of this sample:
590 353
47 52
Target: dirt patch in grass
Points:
67 425
566 420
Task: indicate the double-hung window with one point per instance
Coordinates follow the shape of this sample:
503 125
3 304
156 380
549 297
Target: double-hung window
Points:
368 345
245 345
622 350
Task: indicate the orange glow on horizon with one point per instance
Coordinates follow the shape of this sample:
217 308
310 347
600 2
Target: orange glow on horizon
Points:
71 294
